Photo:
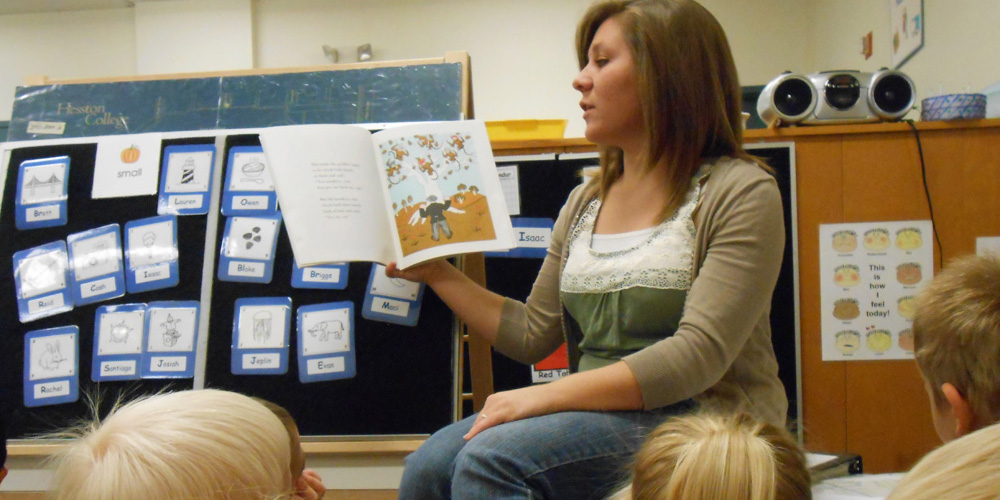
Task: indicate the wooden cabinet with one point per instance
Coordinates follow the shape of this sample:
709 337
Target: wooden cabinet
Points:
863 173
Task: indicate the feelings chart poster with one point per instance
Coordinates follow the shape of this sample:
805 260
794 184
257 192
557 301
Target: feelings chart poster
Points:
870 274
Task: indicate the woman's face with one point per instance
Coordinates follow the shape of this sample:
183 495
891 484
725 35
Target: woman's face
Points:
610 93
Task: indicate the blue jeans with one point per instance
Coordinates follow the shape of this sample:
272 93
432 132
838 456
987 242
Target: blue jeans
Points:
570 455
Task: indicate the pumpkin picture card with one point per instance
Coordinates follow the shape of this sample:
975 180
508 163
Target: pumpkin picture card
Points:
127 165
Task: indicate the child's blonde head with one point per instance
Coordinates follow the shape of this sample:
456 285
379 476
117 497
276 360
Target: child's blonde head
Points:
956 334
966 468
199 444
720 457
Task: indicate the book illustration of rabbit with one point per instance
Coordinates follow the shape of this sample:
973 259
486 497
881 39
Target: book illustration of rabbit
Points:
324 329
51 357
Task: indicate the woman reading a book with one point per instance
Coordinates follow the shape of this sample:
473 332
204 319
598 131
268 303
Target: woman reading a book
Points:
659 275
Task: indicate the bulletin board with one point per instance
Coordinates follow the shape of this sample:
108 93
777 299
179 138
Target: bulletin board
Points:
405 376
396 366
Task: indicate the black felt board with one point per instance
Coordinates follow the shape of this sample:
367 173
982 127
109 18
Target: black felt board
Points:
404 381
84 213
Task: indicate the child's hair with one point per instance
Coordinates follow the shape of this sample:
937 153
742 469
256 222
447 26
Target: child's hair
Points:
966 468
956 334
198 444
714 456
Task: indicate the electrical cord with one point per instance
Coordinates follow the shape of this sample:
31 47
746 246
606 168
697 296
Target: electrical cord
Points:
927 192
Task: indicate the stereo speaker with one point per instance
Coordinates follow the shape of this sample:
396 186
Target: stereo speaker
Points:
836 97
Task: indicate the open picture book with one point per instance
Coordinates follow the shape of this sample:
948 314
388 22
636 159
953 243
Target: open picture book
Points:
406 194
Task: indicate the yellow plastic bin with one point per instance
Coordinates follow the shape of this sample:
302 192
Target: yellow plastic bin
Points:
524 130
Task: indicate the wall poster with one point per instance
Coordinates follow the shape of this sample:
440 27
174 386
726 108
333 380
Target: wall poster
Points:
906 24
870 274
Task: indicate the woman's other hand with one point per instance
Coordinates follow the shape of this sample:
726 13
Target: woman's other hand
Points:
508 406
309 486
422 273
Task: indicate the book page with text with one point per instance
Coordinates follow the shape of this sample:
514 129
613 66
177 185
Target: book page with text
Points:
329 193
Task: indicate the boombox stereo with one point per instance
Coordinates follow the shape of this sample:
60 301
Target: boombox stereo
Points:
836 97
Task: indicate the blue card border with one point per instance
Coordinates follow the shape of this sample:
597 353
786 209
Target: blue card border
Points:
21 211
188 372
236 364
98 359
163 203
131 284
349 357
73 380
118 276
229 196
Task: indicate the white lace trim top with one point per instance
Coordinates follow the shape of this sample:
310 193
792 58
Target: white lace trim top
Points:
663 259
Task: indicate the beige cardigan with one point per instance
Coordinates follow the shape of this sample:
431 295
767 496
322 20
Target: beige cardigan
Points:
721 354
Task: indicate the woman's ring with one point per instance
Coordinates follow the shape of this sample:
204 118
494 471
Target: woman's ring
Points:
482 415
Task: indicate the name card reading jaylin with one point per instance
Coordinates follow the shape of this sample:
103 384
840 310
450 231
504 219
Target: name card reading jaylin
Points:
261 327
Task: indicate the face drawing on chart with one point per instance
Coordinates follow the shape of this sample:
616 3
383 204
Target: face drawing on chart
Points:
845 241
262 326
847 341
51 356
847 275
908 273
876 240
879 341
906 306
397 288
846 309
906 340
170 333
43 183
40 274
909 239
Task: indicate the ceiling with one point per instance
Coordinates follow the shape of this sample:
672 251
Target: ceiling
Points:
36 6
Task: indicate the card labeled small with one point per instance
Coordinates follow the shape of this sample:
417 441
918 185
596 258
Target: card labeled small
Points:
325 334
261 329
42 193
126 165
249 189
41 281
325 277
51 366
151 254
392 300
119 334
96 269
171 338
248 244
186 179
532 236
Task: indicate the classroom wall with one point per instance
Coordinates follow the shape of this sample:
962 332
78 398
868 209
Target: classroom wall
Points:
522 50
957 55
